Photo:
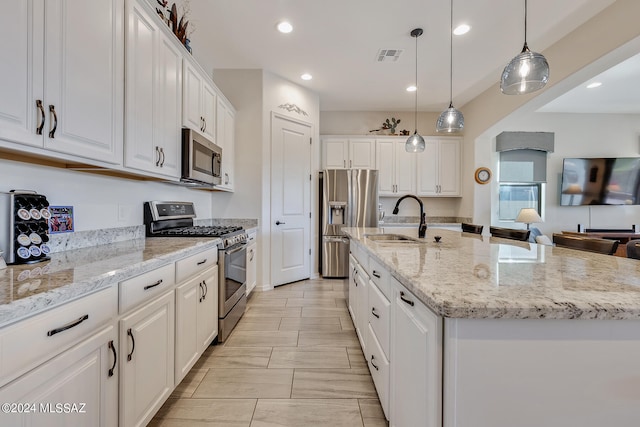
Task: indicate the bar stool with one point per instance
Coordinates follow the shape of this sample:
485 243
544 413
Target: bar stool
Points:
472 228
590 244
510 233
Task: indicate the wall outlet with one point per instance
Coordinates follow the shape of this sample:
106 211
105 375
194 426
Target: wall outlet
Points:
123 212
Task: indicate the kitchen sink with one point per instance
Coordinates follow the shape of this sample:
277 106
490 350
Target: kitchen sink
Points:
390 238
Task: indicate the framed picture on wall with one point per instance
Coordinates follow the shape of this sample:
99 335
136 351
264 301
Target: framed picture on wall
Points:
61 220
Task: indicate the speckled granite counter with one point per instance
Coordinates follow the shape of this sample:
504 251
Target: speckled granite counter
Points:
470 276
26 290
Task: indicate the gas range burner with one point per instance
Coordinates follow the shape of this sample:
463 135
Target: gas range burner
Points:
200 231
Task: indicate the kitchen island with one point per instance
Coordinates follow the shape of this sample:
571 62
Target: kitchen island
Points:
511 333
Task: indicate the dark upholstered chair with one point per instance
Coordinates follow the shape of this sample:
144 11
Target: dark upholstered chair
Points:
510 233
472 228
633 249
590 244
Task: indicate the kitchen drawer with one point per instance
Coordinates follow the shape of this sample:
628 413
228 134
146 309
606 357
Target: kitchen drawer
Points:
31 342
379 367
380 316
359 255
362 272
380 276
144 287
194 264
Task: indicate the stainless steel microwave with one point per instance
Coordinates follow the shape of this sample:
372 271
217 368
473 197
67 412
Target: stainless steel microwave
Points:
201 159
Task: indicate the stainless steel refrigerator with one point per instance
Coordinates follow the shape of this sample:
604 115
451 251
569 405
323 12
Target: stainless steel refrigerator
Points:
349 198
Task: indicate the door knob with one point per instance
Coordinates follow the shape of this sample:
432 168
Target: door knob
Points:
278 223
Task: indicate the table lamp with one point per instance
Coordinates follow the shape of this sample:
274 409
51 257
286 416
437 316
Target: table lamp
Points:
528 216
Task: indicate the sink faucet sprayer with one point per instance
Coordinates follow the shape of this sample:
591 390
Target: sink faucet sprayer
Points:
422 228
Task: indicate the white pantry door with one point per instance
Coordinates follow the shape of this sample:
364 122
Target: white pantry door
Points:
290 200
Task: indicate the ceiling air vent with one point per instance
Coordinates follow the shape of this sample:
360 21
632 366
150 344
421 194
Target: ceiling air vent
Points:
389 55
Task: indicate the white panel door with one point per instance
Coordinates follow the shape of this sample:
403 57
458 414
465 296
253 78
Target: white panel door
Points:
386 167
450 156
207 309
362 153
428 169
405 169
187 351
209 111
192 100
335 153
290 200
83 88
21 46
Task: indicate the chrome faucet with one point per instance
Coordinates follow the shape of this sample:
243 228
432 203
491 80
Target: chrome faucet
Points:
422 228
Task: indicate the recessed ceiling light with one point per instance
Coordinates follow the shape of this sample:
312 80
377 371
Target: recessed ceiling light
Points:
411 88
306 76
593 85
461 29
285 27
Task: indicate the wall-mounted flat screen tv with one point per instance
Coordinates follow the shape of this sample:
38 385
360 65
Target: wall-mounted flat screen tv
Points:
600 181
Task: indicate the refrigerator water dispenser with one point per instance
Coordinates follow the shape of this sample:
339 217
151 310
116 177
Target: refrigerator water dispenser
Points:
337 212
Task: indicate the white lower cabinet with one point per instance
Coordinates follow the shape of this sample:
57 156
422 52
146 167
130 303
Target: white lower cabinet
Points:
77 388
416 362
196 319
362 318
252 262
147 360
353 289
379 368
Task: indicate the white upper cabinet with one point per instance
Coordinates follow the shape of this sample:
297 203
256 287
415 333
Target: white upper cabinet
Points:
199 102
61 83
153 95
439 168
225 127
397 168
343 153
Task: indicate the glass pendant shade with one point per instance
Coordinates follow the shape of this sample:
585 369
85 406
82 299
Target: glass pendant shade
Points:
415 143
451 120
526 73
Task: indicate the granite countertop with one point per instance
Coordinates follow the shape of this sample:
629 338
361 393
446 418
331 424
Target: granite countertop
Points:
26 290
471 276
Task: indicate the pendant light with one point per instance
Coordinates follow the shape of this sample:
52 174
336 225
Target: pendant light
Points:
415 143
451 120
527 72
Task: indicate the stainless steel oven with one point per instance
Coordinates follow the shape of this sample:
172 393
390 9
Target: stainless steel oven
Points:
232 289
201 159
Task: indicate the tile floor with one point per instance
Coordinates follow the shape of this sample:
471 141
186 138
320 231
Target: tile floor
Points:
293 360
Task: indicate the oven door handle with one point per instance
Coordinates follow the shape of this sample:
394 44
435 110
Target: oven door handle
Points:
238 249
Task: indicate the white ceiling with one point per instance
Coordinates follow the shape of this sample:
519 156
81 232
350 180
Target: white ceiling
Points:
337 42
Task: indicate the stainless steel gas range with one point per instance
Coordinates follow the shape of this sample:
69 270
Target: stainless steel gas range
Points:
175 219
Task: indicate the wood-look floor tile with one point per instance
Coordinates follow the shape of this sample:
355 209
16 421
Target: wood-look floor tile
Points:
257 324
280 293
370 408
262 339
347 324
214 412
341 302
245 383
356 358
324 312
284 357
311 302
236 357
188 385
328 293
311 324
375 422
268 302
307 412
332 383
258 311
328 339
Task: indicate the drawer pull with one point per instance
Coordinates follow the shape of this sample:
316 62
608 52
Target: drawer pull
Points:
376 274
115 357
158 283
411 303
133 344
67 326
373 364
202 262
373 311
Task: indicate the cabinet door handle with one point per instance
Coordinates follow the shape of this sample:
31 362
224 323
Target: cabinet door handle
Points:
344 163
202 123
158 283
201 291
41 118
112 347
67 326
350 163
133 344
373 311
375 274
373 364
52 131
206 289
411 303
226 179
157 156
201 262
355 272
162 152
251 258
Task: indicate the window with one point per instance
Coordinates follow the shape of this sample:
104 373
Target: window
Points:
514 197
